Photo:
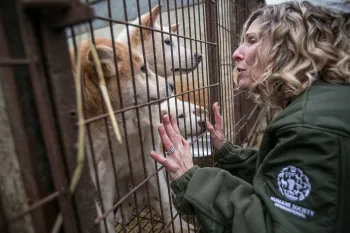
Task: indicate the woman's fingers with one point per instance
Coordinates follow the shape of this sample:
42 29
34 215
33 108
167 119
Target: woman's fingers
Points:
174 124
185 143
172 135
164 137
159 158
218 117
210 127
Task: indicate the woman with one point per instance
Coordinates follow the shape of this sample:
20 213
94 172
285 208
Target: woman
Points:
294 56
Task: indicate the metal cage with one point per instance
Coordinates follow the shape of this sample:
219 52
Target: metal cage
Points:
163 68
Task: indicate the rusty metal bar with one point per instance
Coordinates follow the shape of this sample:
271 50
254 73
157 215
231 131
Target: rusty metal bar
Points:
205 49
234 44
132 191
14 62
36 205
47 121
3 220
153 29
212 36
46 3
142 105
60 13
61 87
22 111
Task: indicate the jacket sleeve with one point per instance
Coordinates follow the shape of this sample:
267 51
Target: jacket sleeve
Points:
240 162
281 199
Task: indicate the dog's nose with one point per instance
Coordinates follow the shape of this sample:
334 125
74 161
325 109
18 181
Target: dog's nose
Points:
201 124
198 57
170 89
171 86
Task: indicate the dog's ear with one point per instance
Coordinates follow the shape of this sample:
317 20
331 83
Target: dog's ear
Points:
146 21
106 57
174 27
149 21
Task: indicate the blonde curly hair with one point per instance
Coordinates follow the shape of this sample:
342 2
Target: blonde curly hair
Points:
306 43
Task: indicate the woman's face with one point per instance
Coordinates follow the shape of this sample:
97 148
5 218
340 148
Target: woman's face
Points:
245 58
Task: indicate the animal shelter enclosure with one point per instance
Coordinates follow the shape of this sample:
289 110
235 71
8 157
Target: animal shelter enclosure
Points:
83 87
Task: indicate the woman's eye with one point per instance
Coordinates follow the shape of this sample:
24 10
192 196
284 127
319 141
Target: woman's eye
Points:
167 42
143 69
252 40
181 116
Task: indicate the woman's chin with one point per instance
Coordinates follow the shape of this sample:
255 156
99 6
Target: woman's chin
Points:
244 84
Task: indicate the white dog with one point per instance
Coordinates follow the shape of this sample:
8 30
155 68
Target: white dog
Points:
191 118
166 66
190 123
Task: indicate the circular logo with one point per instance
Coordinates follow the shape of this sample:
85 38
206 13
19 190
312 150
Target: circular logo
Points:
293 184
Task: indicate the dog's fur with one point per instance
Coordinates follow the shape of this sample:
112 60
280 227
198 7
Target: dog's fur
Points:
165 65
191 118
110 157
191 121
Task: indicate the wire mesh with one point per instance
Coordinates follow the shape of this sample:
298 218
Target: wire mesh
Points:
156 57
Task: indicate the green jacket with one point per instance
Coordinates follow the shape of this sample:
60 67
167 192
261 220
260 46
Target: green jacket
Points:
300 173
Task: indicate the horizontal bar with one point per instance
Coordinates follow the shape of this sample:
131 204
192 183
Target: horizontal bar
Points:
99 218
47 3
11 61
199 136
36 205
223 27
153 29
252 112
168 225
95 2
240 120
145 104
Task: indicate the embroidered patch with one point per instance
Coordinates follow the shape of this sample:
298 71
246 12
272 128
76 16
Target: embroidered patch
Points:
292 208
293 183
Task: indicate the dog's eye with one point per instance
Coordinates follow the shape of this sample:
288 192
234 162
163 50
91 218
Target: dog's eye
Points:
167 41
143 69
181 116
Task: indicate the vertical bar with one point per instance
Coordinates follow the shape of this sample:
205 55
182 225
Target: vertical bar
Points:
234 41
122 114
212 36
47 120
3 222
206 71
60 81
202 91
24 122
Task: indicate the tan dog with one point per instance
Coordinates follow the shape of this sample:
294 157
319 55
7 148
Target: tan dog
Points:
165 65
111 159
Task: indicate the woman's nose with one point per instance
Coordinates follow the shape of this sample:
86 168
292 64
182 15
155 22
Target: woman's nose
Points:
238 55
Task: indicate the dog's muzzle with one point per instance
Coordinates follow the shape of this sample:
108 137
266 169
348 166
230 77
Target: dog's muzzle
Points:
198 57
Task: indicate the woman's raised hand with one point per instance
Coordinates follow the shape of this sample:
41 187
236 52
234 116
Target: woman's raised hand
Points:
217 136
